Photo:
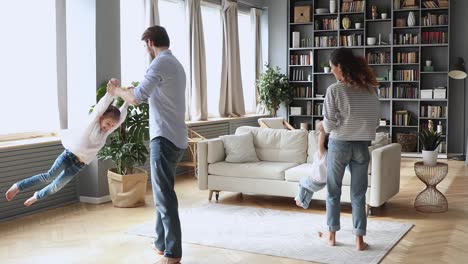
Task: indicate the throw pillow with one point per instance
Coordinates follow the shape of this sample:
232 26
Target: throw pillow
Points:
239 148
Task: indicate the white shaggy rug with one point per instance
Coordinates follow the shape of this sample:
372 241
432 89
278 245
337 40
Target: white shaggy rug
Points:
281 233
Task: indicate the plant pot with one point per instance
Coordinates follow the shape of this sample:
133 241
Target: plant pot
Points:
326 69
429 157
127 190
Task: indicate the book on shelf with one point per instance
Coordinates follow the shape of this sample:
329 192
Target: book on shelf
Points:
384 92
406 75
430 4
297 75
406 91
326 41
318 109
378 57
434 37
302 91
327 24
434 19
402 118
351 40
304 59
406 57
309 108
405 39
433 111
353 6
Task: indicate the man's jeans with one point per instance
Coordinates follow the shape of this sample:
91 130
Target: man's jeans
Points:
64 169
164 158
354 154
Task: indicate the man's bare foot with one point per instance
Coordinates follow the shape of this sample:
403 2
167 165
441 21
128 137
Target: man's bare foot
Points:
12 192
328 237
30 201
360 244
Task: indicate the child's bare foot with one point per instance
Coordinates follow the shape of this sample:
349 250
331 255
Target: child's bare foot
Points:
360 244
298 204
328 237
12 192
30 201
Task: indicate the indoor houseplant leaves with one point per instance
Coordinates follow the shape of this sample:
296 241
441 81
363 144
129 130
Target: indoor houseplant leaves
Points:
273 87
430 140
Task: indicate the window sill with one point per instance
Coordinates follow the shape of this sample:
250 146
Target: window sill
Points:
27 139
214 120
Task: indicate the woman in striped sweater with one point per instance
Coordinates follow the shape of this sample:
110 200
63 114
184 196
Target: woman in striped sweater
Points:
351 116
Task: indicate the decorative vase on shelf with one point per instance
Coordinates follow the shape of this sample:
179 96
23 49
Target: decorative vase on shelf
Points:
411 19
346 22
332 6
396 4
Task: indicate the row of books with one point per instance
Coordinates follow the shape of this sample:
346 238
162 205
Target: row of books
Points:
353 6
384 92
406 75
326 41
436 37
378 57
406 57
433 111
328 24
405 39
318 109
433 4
434 19
303 91
351 40
406 91
301 59
297 75
402 118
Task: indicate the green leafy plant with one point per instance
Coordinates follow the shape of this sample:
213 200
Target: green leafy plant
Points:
324 64
430 139
126 145
273 87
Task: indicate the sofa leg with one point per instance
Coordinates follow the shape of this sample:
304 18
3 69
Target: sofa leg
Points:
217 196
241 196
369 210
210 195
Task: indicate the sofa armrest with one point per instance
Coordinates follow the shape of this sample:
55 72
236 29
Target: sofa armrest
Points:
385 177
208 151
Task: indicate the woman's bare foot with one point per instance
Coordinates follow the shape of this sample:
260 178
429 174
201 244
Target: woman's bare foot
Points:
30 201
328 237
12 192
360 244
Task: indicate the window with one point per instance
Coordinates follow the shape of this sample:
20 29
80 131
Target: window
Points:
247 48
29 66
212 29
134 58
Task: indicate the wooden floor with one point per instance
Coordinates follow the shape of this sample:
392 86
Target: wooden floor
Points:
84 233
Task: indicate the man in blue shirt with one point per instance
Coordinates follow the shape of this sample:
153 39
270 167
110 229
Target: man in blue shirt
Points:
163 86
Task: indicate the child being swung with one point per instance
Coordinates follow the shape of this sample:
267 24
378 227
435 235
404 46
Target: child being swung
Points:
81 147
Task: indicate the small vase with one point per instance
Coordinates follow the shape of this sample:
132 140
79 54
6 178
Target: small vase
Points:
346 22
396 4
332 6
411 19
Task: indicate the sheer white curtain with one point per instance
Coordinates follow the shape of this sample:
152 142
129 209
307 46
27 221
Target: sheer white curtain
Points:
247 53
28 71
212 29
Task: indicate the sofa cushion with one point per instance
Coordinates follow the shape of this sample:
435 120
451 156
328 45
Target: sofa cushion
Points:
216 151
295 174
239 148
254 170
278 145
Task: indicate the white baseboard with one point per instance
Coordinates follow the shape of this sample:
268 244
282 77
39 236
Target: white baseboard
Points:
95 200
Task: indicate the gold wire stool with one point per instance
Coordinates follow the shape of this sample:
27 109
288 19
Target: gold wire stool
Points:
191 161
431 200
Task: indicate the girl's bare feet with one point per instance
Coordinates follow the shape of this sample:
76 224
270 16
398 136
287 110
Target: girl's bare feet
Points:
30 201
328 237
12 192
360 244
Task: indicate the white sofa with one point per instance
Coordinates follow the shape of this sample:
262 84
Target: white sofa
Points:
285 157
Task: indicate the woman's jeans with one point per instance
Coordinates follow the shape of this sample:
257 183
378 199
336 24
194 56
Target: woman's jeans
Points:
64 169
164 158
354 154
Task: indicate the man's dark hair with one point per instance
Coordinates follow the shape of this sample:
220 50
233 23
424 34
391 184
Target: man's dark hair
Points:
158 35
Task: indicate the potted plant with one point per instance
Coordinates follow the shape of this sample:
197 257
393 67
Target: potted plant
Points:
126 148
429 140
326 67
273 88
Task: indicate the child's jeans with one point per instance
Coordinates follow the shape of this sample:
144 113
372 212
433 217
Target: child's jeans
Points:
65 167
306 190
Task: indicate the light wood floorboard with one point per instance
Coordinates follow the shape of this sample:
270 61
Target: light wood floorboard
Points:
84 233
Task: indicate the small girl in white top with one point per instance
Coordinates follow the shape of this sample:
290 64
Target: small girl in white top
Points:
318 178
81 147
